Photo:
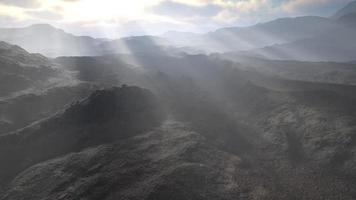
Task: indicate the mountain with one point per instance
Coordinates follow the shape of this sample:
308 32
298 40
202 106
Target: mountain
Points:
332 44
20 70
245 38
308 38
30 107
102 117
54 42
33 87
50 41
274 32
148 122
162 164
348 20
321 72
136 44
205 130
348 9
205 127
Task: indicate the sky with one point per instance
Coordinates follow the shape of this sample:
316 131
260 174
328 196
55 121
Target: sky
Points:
117 18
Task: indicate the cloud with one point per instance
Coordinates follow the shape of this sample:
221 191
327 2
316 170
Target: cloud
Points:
11 12
315 7
44 15
244 5
177 9
296 5
153 16
21 3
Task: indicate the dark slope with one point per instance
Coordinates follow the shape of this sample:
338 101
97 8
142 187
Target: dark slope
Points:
27 108
222 102
232 134
170 162
348 9
101 118
33 87
176 163
20 70
104 70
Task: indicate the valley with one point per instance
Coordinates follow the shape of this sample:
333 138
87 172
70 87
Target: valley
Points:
265 112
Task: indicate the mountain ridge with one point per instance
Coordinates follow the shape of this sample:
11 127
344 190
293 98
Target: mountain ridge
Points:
347 9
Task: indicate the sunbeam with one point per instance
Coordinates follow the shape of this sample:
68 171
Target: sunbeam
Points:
177 99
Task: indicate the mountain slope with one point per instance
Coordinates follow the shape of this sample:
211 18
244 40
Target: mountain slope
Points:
257 36
335 46
54 42
103 117
230 134
348 9
20 70
321 72
167 163
332 44
50 41
172 161
27 108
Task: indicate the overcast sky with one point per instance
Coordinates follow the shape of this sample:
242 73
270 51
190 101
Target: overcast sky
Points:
115 18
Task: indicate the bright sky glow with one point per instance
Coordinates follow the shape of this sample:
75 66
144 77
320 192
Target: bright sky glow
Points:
125 17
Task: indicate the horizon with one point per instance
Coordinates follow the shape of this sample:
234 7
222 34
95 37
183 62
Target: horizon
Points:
155 17
178 99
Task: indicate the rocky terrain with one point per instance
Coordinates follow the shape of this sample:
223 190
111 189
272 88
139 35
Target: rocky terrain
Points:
102 117
209 129
138 119
33 87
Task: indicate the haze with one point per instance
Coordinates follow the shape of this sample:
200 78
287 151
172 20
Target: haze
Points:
177 100
117 18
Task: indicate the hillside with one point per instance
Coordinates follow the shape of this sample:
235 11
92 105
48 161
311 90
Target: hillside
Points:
230 133
103 117
53 42
348 9
246 38
20 70
50 41
333 44
265 112
322 72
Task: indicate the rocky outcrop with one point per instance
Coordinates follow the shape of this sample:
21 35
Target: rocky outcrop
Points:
103 117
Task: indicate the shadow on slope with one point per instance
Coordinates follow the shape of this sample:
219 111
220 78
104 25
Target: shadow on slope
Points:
103 117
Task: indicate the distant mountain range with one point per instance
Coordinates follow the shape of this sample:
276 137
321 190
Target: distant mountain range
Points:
308 38
53 42
239 39
219 126
50 41
336 43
